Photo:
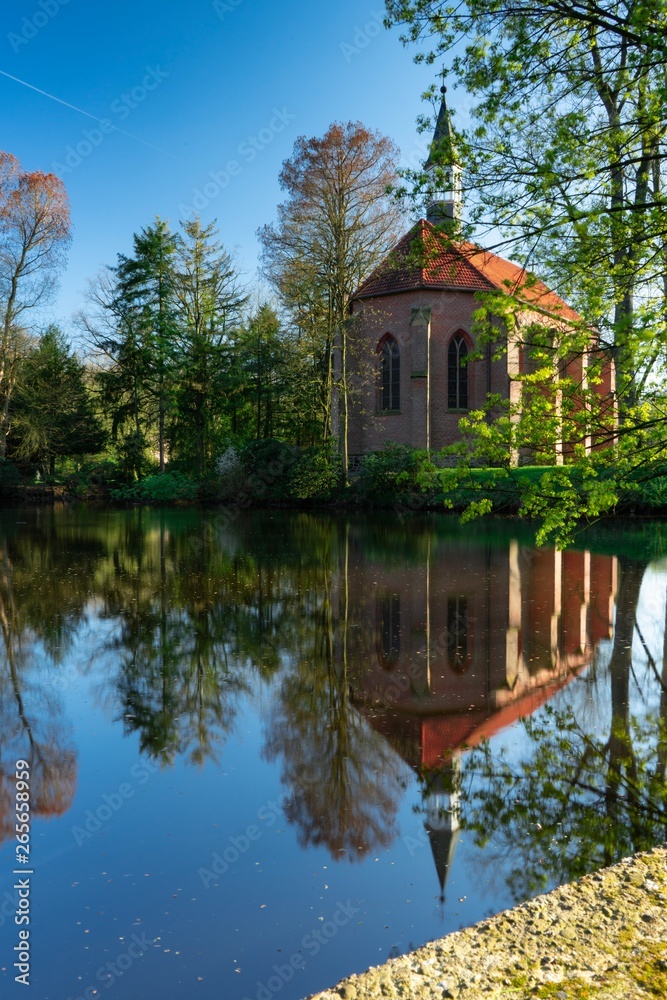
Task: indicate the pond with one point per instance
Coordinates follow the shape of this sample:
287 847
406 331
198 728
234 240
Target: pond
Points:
270 751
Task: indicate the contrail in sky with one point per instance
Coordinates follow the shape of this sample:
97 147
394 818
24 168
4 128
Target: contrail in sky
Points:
100 121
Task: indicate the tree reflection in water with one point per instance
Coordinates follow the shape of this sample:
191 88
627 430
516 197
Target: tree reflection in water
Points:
381 654
344 781
587 791
31 723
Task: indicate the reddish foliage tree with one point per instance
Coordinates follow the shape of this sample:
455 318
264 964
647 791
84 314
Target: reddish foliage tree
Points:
34 234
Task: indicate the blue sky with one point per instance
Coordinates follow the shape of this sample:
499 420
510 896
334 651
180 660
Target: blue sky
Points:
202 102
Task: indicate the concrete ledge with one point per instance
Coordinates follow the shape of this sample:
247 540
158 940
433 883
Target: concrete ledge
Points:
601 938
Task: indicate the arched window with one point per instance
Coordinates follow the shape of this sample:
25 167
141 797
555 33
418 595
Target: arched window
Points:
457 374
458 653
390 369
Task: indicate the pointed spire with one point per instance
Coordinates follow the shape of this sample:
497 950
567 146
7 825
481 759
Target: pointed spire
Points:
443 130
446 204
443 846
441 801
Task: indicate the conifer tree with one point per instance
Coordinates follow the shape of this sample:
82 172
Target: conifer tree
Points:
210 303
53 412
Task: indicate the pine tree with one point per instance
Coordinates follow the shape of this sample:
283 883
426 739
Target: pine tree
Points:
53 415
147 285
210 305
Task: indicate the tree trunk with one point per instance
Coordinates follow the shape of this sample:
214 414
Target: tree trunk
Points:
622 761
345 407
4 426
661 765
161 430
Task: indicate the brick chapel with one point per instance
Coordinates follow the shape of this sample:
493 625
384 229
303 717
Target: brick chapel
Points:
414 330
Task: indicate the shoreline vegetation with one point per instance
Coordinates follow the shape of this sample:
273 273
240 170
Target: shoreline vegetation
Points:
406 480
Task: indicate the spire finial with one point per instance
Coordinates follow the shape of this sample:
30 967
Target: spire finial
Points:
447 202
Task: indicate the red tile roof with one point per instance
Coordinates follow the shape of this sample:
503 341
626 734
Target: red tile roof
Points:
424 258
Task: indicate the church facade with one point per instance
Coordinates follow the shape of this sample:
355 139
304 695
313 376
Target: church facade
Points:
413 333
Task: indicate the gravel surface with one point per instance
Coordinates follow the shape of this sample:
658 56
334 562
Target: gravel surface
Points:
604 937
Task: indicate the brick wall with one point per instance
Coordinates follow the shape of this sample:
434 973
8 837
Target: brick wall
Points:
451 313
534 617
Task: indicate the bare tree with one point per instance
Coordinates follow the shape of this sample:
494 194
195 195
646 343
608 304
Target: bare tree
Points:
337 223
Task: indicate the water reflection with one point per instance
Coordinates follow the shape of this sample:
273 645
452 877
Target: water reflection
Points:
377 653
590 787
31 721
488 634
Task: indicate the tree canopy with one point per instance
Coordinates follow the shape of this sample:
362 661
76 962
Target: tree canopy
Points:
564 169
337 223
34 234
53 410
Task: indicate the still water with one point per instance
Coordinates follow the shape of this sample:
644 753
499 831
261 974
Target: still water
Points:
269 753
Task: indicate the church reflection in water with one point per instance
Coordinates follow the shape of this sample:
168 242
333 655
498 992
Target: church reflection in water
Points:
380 649
465 643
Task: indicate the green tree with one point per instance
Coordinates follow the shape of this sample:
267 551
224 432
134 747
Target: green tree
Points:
121 354
261 363
147 286
564 163
565 155
34 234
54 415
210 304
134 333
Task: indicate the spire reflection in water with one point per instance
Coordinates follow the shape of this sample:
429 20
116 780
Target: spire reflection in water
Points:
253 730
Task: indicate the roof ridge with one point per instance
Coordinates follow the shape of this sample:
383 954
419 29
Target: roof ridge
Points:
460 265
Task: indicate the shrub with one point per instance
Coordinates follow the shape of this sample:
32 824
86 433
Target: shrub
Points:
171 487
316 475
133 455
399 474
92 475
228 462
268 465
229 480
651 494
9 477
